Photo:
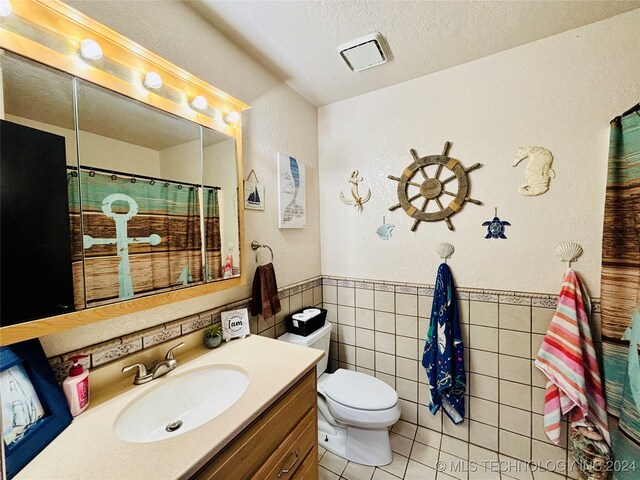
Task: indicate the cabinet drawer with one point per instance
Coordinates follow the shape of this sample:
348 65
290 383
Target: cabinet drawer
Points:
244 456
309 468
290 455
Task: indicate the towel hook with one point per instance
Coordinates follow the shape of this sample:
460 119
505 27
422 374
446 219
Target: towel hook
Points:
568 252
445 250
257 246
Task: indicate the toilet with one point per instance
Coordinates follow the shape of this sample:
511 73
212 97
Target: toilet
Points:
355 411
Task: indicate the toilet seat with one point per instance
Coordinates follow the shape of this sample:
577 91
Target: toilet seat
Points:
359 400
359 391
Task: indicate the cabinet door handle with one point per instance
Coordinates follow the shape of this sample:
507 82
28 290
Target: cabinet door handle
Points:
284 471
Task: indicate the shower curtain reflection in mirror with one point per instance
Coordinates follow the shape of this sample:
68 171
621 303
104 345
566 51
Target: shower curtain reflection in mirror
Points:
139 236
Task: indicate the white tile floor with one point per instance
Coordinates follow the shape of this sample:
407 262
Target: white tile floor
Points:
419 453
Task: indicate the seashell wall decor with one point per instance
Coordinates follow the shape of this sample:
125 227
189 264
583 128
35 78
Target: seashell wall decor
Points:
538 172
445 250
568 252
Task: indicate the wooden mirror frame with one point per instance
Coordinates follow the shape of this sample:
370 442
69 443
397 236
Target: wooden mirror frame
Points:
55 43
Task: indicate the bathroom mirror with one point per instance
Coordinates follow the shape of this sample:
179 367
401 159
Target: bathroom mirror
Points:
38 141
140 176
221 219
116 196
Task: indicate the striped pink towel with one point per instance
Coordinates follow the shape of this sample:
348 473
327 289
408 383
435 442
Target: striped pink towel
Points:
568 359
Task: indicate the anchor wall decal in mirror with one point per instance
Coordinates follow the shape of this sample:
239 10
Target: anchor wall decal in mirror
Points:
109 205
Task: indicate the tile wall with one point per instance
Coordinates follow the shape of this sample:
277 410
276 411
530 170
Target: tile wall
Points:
380 329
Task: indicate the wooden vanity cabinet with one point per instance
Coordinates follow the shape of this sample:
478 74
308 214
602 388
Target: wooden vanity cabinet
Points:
282 444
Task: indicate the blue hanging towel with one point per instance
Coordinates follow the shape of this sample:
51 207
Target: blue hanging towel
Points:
443 355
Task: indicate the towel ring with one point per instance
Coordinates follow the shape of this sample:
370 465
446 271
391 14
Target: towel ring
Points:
257 246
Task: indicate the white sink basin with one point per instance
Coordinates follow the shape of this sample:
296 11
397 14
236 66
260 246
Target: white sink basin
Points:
181 403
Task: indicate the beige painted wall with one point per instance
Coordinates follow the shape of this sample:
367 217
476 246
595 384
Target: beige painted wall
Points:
559 93
279 120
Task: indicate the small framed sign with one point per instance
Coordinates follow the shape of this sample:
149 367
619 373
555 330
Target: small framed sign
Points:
235 324
253 193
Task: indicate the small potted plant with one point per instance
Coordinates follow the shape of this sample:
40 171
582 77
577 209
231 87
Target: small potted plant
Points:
213 335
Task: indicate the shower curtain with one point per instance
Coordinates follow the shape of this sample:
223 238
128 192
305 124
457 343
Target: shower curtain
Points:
213 254
138 236
620 294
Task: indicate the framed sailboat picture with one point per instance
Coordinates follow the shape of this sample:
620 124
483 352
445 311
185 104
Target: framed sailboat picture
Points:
292 196
253 193
34 410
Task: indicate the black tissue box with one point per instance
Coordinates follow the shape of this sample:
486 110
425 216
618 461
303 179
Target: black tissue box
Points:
308 327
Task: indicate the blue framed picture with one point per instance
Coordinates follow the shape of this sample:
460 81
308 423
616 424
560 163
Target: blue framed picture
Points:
34 409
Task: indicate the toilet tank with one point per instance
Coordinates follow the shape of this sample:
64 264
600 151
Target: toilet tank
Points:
318 339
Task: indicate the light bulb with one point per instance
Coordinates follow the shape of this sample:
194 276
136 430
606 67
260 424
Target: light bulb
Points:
5 8
152 80
232 117
90 50
199 103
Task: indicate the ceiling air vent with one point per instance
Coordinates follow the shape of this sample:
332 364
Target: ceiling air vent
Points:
364 52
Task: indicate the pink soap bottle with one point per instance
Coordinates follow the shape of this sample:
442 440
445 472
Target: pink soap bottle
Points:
76 387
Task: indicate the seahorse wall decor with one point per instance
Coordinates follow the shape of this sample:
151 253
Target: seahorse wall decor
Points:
538 172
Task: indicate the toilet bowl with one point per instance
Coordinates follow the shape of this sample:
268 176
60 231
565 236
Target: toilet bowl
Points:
355 410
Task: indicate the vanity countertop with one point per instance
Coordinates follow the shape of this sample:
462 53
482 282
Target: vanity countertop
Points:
89 448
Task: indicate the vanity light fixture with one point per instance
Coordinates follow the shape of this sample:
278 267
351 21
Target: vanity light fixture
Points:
90 50
5 8
231 118
217 116
152 80
199 103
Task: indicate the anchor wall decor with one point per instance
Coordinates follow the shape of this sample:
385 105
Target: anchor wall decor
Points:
432 188
122 241
356 200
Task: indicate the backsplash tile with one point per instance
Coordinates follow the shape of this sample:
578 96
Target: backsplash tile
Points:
160 336
292 298
115 352
197 322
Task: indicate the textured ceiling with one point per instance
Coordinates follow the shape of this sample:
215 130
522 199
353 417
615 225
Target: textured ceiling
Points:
297 40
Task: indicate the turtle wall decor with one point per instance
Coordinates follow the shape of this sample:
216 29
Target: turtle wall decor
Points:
432 188
495 227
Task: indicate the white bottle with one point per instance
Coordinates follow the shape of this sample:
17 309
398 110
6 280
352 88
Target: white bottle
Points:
76 387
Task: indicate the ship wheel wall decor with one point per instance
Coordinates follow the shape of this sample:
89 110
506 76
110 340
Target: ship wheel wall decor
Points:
432 188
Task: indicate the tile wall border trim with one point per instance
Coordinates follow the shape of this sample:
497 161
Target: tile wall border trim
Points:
119 347
544 300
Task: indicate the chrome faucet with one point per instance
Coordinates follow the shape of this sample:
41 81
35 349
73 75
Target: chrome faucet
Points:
145 375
